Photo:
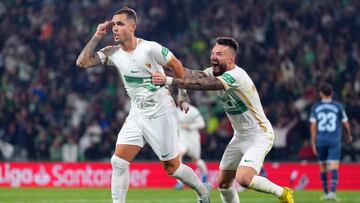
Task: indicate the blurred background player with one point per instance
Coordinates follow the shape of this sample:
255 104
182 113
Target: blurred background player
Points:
152 117
253 134
189 139
326 121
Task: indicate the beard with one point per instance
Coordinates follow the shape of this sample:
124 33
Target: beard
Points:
219 69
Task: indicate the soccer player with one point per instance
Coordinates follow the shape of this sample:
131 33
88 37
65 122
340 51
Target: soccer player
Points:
253 133
189 139
326 129
152 117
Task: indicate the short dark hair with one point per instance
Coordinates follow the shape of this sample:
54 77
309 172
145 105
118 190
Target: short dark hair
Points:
130 13
228 41
326 89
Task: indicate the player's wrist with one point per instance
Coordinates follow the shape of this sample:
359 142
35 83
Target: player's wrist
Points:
169 81
97 37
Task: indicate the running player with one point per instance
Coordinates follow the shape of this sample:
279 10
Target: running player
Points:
326 129
253 133
189 139
152 117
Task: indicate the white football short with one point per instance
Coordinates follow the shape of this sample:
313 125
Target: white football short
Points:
160 132
247 150
190 147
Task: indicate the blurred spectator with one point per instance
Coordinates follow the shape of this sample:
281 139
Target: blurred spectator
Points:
281 131
70 150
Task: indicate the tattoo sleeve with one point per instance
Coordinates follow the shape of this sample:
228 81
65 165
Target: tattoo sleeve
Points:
205 83
88 57
189 73
194 73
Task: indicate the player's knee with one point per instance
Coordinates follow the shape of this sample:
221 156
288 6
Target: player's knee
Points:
244 180
119 165
170 168
224 183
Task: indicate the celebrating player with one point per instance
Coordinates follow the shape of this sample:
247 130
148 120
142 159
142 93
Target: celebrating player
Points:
325 127
152 117
253 133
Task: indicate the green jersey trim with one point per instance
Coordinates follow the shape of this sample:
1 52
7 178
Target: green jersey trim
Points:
140 82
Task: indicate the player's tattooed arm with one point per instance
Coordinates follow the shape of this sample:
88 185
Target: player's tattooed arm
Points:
87 57
188 73
194 73
205 83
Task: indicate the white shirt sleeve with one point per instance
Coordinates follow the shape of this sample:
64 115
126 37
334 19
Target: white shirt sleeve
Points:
103 55
161 54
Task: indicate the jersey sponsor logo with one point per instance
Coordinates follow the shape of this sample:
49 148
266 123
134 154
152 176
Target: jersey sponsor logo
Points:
247 160
228 78
164 51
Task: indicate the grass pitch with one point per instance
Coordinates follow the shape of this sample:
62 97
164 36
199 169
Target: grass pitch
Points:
71 195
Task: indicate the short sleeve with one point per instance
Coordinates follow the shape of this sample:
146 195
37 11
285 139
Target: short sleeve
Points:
312 118
104 55
161 54
344 117
228 80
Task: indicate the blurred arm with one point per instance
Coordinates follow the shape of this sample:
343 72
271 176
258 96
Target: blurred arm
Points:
313 132
348 136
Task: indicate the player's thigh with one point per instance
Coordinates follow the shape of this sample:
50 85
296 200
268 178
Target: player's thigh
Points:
334 153
322 153
256 150
131 132
162 135
127 152
233 153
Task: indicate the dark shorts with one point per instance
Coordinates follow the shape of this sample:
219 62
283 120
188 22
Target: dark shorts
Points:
326 153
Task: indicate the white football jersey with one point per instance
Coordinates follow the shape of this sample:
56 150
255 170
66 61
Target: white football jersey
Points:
194 122
135 68
241 102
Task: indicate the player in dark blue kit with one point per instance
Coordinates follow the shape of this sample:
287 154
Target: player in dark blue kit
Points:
326 121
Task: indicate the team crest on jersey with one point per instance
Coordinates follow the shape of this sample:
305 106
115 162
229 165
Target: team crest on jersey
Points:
148 65
228 78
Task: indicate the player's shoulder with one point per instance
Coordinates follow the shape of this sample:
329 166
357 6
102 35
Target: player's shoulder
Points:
235 75
147 43
109 50
338 104
316 104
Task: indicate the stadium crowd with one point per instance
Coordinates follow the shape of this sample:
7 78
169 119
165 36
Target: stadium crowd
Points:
52 110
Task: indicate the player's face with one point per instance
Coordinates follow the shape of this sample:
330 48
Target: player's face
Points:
222 58
123 28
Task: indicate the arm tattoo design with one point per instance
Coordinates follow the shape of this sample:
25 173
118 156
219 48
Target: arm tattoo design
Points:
205 83
88 57
194 73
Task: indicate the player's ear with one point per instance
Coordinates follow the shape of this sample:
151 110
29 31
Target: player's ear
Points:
133 26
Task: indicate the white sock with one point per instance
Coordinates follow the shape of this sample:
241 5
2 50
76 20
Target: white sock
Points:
186 175
262 184
202 167
119 179
229 195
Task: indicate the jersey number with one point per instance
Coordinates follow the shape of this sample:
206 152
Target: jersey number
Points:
327 122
